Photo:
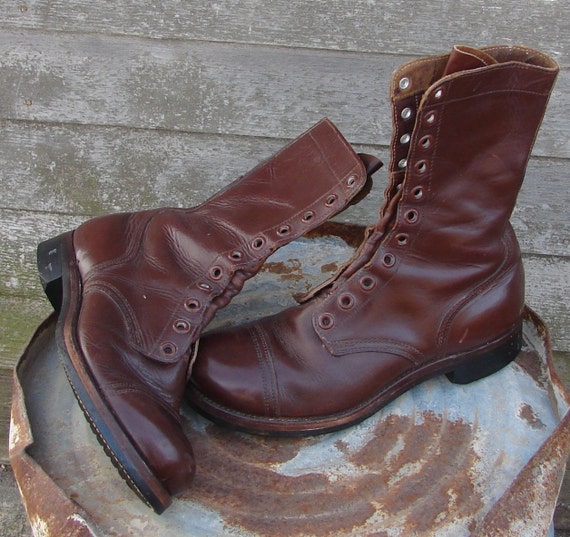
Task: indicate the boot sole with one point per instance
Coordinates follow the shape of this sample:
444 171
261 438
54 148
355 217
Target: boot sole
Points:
60 279
459 369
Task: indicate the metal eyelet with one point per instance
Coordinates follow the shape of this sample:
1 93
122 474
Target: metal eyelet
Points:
405 139
331 200
426 141
168 348
205 286
216 272
367 283
351 181
284 230
308 216
438 93
430 118
258 243
236 255
421 166
406 113
412 216
192 304
326 321
402 239
345 301
181 326
418 192
403 163
404 83
388 260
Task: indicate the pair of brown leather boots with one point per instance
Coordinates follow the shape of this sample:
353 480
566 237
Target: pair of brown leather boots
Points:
436 286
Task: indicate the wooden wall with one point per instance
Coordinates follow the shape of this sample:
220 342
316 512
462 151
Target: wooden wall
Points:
120 105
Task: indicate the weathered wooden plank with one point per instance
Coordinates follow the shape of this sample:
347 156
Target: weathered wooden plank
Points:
95 170
19 318
222 88
356 25
5 398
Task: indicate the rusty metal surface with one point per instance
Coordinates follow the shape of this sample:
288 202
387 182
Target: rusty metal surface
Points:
443 459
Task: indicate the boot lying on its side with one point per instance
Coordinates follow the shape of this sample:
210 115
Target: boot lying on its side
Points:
135 290
436 287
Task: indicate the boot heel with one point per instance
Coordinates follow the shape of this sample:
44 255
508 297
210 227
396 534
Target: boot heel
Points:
50 257
489 362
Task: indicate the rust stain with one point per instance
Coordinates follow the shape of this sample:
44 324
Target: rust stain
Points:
426 479
329 268
352 234
408 470
236 480
526 412
290 271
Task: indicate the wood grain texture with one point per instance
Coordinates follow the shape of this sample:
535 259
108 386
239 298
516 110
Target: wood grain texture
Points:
424 27
223 88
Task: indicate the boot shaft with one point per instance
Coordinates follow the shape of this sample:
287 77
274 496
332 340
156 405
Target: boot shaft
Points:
464 127
441 271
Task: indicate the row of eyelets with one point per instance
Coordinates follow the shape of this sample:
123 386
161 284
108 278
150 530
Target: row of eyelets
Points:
405 114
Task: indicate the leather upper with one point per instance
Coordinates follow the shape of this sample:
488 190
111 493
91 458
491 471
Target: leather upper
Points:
440 274
151 280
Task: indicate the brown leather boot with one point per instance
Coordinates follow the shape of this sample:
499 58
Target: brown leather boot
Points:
136 289
436 287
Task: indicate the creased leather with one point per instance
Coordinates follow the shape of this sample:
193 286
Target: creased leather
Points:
151 280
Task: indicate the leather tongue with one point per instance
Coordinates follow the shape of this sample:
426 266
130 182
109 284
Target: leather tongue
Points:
464 58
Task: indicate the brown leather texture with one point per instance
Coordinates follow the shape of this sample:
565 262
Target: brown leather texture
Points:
437 286
140 287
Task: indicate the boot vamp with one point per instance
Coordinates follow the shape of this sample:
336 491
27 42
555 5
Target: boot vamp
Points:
278 367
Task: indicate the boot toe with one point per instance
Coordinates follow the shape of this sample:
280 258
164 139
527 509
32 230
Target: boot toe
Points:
159 438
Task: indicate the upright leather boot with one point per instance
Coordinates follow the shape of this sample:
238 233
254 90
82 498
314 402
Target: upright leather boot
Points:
135 290
436 287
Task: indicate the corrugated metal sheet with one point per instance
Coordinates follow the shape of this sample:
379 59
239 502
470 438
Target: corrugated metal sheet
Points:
443 459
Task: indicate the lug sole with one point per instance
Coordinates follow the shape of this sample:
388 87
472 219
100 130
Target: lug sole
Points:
59 276
460 369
